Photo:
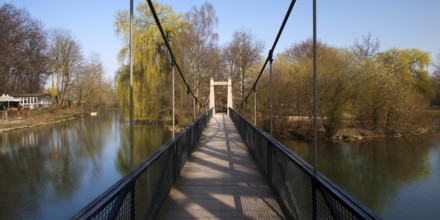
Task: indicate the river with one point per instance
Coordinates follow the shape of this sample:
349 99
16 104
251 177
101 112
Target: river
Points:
53 171
396 178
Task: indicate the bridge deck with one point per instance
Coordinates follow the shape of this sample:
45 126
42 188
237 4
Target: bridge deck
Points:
221 180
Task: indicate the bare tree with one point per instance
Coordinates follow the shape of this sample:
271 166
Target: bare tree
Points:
437 65
367 48
240 54
65 59
435 79
23 61
88 81
199 43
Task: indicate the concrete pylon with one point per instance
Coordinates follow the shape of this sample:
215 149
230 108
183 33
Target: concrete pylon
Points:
211 95
229 94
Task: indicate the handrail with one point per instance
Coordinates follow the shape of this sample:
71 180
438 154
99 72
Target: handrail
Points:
305 193
141 193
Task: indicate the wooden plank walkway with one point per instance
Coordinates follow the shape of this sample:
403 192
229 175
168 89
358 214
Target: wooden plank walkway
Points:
221 180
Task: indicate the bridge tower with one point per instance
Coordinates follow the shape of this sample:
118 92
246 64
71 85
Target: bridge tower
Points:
213 83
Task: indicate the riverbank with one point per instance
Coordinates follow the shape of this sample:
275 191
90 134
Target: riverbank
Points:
357 134
34 118
428 121
354 134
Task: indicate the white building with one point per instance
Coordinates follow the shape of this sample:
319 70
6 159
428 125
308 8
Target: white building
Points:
34 100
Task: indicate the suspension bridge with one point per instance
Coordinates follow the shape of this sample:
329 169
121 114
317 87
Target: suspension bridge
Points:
224 167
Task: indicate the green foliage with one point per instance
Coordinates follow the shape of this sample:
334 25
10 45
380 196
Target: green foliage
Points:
382 92
410 64
373 96
336 82
387 100
151 61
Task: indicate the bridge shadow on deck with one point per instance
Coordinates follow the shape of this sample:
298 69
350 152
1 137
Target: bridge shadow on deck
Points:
221 180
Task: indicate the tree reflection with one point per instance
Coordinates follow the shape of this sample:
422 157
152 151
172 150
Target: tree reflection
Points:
147 140
372 171
44 165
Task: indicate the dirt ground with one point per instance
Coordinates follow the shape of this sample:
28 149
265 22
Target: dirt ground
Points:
31 118
300 128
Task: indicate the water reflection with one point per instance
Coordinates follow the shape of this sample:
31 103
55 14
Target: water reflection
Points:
53 171
376 172
144 137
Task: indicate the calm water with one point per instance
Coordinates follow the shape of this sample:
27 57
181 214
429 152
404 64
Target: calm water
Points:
52 172
396 178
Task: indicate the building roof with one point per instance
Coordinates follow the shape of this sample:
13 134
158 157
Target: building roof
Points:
30 95
7 98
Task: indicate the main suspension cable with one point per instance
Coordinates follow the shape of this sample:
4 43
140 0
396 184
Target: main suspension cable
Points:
270 55
173 58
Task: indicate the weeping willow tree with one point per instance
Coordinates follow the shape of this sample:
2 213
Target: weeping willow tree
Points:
151 68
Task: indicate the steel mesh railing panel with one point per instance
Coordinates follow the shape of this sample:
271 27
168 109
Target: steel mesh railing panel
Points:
166 183
125 210
249 136
335 205
323 210
279 184
189 136
153 180
143 194
140 194
114 207
261 151
105 211
298 187
182 150
301 185
330 207
305 193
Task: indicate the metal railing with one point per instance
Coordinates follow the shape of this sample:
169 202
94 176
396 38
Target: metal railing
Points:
305 194
141 194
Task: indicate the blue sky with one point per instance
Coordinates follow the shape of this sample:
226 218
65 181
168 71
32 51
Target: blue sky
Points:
397 23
